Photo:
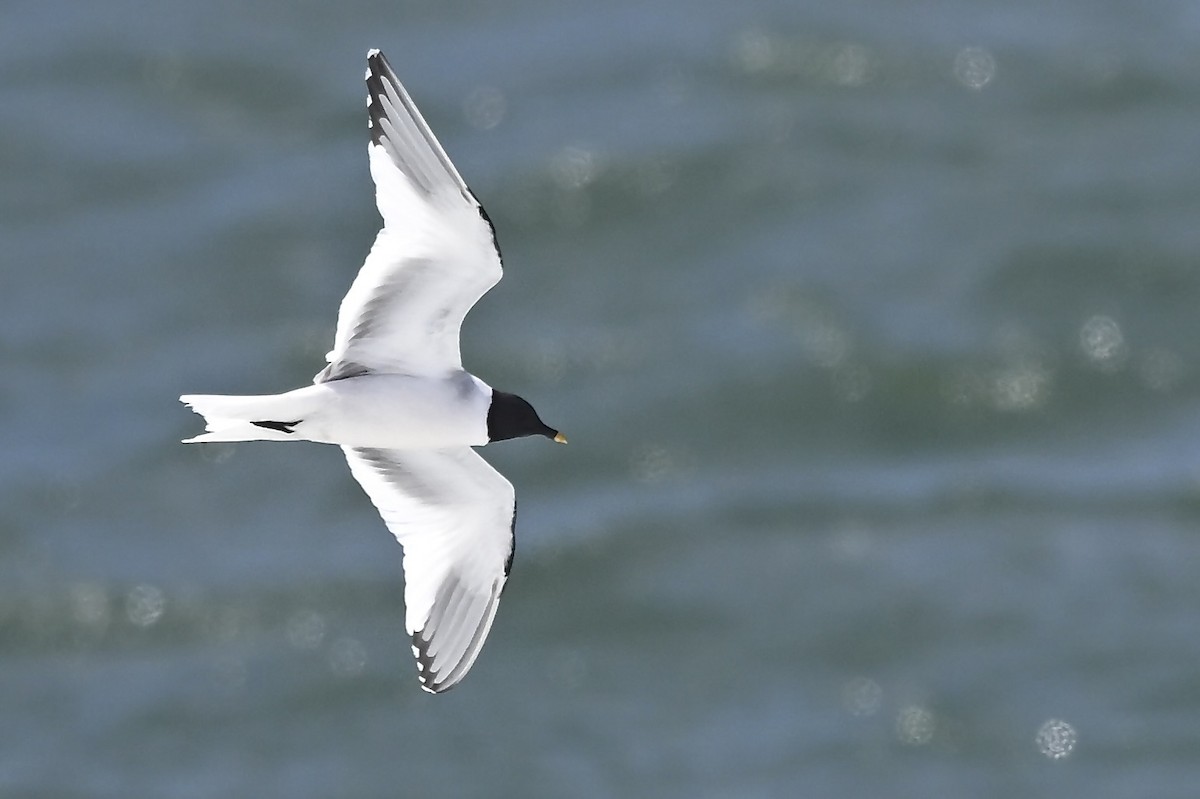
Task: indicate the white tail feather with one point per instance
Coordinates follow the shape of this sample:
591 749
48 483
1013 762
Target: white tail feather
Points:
229 418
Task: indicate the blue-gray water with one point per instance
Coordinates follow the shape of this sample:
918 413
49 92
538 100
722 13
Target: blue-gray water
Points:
873 326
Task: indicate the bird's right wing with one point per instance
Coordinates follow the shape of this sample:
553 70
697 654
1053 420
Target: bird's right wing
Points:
454 516
434 258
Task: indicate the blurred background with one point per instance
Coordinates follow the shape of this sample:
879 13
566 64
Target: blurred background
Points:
872 324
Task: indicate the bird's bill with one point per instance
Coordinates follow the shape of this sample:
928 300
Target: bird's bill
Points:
560 438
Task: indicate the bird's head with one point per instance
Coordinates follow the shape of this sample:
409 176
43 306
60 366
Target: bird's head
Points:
510 416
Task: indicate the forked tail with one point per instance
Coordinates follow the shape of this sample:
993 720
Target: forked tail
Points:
256 418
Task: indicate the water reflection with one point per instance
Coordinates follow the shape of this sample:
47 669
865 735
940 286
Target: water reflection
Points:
1055 739
144 605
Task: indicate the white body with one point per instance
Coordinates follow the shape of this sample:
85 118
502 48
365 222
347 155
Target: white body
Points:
374 410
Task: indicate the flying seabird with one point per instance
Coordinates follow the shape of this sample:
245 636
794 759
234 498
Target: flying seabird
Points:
395 397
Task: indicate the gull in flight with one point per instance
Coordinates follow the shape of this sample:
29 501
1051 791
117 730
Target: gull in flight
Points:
395 397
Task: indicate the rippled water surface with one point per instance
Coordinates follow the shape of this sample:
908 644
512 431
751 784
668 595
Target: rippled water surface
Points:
873 327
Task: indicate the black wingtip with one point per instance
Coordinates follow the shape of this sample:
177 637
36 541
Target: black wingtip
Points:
378 70
377 61
429 679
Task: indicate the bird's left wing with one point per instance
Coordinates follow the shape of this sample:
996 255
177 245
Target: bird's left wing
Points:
454 515
434 258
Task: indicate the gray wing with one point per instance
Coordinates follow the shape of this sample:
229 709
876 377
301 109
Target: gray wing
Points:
454 516
434 258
